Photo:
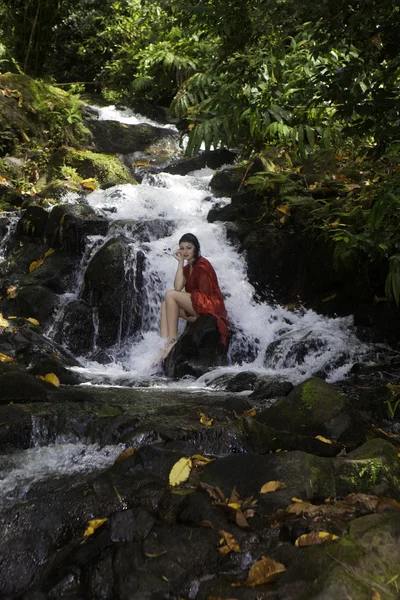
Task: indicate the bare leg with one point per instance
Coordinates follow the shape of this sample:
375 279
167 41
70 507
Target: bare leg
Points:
174 301
163 321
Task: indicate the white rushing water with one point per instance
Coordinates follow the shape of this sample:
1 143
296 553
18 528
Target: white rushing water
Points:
325 343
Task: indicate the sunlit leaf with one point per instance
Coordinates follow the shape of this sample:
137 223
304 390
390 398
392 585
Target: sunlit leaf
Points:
89 184
49 252
322 439
284 208
204 420
3 321
6 359
263 571
33 321
11 292
180 471
93 525
272 486
315 537
50 378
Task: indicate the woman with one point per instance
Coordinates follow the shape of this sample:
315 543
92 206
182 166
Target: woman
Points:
201 296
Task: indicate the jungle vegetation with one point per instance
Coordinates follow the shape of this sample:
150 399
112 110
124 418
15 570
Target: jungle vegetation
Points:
303 77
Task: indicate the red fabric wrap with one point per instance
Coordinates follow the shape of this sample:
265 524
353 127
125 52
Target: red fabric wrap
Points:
202 284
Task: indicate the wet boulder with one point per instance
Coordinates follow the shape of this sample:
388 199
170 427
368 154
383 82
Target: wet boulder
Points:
55 272
114 137
76 329
17 386
33 222
198 349
318 409
113 287
70 224
36 301
213 159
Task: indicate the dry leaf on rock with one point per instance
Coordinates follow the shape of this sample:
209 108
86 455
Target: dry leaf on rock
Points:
11 292
234 498
204 420
33 321
241 520
180 471
199 461
6 359
314 538
251 412
35 264
263 571
93 525
50 378
323 439
3 321
125 454
272 486
228 543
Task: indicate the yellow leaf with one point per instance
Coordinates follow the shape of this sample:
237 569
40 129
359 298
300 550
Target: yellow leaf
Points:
49 251
234 505
230 544
180 471
3 321
375 595
251 412
322 439
201 458
50 378
140 163
314 538
263 571
284 208
33 321
26 137
294 499
93 525
12 317
89 184
126 454
191 126
35 264
204 420
272 486
11 292
4 358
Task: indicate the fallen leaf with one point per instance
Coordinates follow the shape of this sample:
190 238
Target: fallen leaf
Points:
49 252
263 571
283 208
272 486
11 292
50 378
230 544
6 359
33 321
141 163
93 525
204 420
155 555
199 461
3 321
241 520
35 264
322 439
125 454
180 471
89 184
206 523
314 538
375 595
251 412
234 497
328 298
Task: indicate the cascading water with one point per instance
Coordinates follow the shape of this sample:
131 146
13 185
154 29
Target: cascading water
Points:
264 336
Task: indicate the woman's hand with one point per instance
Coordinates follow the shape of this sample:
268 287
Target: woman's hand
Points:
178 255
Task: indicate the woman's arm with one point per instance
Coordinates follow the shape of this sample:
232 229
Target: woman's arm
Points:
179 281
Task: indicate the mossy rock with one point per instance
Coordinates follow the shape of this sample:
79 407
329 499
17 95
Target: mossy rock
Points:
34 112
106 169
315 407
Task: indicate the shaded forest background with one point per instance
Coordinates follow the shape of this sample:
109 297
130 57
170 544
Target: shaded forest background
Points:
291 83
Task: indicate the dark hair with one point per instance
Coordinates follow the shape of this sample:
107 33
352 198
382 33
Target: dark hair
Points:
192 239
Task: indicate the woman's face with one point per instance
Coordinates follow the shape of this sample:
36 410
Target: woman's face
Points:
187 250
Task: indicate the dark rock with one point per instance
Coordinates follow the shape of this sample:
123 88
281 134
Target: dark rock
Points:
70 224
15 427
130 525
268 387
242 381
17 387
318 409
36 301
212 159
33 222
114 288
76 330
227 182
55 273
237 404
197 349
45 365
378 322
143 231
112 137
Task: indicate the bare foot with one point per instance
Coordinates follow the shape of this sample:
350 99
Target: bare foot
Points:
167 348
